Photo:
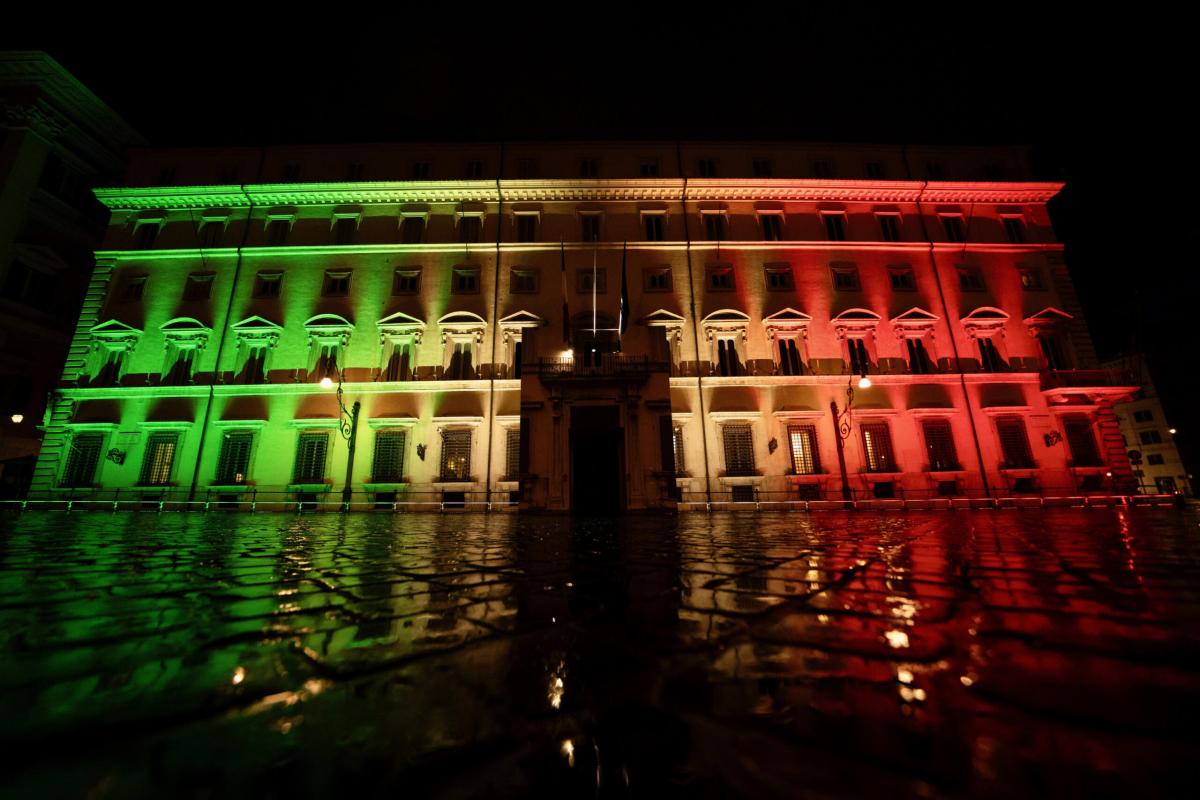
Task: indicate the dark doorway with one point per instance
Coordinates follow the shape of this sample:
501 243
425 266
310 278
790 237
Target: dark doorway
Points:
597 447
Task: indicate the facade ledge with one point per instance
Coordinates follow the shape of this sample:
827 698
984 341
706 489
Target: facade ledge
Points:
314 422
391 422
996 410
815 477
508 486
932 411
239 423
882 476
167 425
741 480
734 416
92 426
316 488
799 413
457 486
385 486
231 488
130 392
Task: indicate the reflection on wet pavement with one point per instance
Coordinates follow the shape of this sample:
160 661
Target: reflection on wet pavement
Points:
925 655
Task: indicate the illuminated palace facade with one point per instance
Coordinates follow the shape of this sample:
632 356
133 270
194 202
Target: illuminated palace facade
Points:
581 326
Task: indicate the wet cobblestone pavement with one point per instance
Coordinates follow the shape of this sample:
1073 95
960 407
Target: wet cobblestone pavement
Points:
989 654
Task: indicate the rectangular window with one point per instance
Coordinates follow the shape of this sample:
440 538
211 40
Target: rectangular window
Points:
649 168
254 370
268 284
739 449
779 278
1155 459
760 167
1150 437
412 230
354 171
589 227
789 357
147 235
772 227
469 229
135 288
180 372
234 462
714 227
400 363
822 168
657 279
728 360
406 281
889 227
462 361
456 455
677 450
344 230
584 280
919 362
388 463
198 286
1080 441
654 226
589 168
1014 230
527 227
970 279
1031 279
845 279
465 281
277 232
953 225
421 170
876 170
310 458
1144 415
902 278
835 227
877 447
82 459
160 455
524 281
326 365
989 355
939 444
474 169
526 168
706 168
802 440
860 359
110 369
211 233
291 173
512 454
1052 351
1014 444
720 279
337 283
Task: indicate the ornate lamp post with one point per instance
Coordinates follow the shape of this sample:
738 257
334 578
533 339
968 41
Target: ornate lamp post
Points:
841 427
348 427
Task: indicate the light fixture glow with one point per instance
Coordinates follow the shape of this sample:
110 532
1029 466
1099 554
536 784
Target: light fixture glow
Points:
864 382
326 382
1169 430
19 418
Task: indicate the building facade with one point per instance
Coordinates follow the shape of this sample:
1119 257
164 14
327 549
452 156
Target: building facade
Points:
581 326
1150 438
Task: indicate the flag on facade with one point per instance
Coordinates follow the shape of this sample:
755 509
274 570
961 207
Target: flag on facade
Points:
623 313
566 330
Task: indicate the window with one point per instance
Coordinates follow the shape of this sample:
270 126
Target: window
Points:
277 232
524 281
111 366
180 372
147 234
465 280
739 449
706 168
354 171
401 362
326 365
657 279
902 278
649 167
1031 279
1014 444
677 450
714 227
953 225
512 454
254 371
1080 441
527 227
469 229
388 463
160 455
589 168
919 362
82 459
268 284
1144 415
655 227
337 283
970 279
211 232
935 170
728 362
1052 351
845 279
310 458
876 171
135 287
989 355
877 447
802 443
772 227
420 171
835 227
198 286
234 462
860 359
1150 437
779 278
589 227
889 227
474 169
939 444
456 455
345 229
1014 230
291 173
789 357
822 168
1154 459
584 280
515 367
760 167
412 230
526 168
461 366
720 279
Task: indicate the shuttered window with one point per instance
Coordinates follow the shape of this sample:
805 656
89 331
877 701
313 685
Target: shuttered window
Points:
512 453
939 443
860 360
789 358
310 458
1014 444
254 370
989 356
877 446
160 455
82 459
1081 441
677 450
388 465
456 455
803 441
739 450
234 462
400 363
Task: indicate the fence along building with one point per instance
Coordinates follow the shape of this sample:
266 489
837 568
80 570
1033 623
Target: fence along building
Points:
581 326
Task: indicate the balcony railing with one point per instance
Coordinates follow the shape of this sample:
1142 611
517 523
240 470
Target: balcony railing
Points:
1086 378
611 365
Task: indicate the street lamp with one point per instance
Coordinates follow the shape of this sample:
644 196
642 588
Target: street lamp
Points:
841 427
348 427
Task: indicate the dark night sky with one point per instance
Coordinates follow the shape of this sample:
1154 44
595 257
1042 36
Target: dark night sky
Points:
1098 100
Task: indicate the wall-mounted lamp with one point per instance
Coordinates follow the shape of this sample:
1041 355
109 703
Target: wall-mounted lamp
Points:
19 418
1052 438
116 456
421 452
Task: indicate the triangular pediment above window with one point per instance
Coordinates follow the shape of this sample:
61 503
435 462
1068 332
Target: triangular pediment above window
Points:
1048 316
113 328
255 324
521 319
400 325
915 315
400 319
788 315
662 317
914 323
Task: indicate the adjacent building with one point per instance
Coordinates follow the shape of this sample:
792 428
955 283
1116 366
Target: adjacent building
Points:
1157 465
581 326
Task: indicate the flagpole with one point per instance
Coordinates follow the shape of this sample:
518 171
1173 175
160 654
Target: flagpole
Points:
593 295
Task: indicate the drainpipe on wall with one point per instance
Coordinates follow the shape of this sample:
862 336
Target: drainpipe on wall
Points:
687 239
491 416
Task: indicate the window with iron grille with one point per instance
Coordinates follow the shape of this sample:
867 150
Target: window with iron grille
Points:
1081 441
677 449
456 455
388 464
939 443
1014 444
512 454
82 459
160 455
234 463
739 450
310 458
877 446
802 439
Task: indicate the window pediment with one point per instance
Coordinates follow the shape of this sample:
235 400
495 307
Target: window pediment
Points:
725 320
400 325
985 321
522 319
855 323
256 330
186 333
461 324
329 329
787 320
662 318
914 323
114 335
1048 319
